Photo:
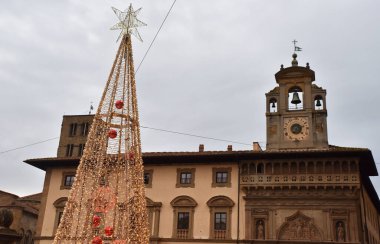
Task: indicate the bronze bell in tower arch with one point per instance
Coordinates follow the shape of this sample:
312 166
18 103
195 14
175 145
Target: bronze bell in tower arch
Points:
296 99
318 103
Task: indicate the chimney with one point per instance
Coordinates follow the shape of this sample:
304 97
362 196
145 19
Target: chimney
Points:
229 148
256 147
201 148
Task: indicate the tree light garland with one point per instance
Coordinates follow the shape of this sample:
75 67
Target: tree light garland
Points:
107 201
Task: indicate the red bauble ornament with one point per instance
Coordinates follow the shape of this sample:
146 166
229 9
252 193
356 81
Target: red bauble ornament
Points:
112 133
97 240
96 220
108 231
119 104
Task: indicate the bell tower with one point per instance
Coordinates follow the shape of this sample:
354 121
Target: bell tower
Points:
296 110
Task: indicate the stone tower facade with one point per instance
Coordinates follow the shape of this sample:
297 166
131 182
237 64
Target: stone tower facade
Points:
296 110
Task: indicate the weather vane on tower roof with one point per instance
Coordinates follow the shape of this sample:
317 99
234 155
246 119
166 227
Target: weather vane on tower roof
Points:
128 22
296 48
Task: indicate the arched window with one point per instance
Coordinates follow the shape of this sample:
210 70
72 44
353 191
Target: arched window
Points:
183 217
353 166
345 167
302 168
295 98
59 205
293 168
244 169
220 217
328 167
154 209
260 168
273 108
268 167
336 167
252 168
318 102
319 167
285 168
310 167
277 168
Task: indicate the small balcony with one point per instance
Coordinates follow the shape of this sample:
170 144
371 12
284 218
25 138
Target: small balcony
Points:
182 233
220 234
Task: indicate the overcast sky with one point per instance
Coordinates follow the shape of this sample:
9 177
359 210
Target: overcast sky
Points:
206 74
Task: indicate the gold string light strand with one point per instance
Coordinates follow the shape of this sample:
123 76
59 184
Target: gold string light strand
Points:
107 201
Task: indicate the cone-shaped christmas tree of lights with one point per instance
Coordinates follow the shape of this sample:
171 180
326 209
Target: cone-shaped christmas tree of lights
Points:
107 200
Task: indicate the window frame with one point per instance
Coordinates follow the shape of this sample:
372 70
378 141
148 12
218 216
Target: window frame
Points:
81 150
185 171
182 204
73 129
185 178
220 221
85 127
69 150
185 216
215 171
220 204
221 177
63 181
150 172
59 205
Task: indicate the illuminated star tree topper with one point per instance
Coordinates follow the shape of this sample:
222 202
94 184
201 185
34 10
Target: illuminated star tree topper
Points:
128 22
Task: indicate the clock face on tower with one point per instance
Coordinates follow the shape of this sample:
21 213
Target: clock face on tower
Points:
296 129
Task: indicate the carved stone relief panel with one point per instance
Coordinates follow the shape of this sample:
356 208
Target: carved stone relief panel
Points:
299 227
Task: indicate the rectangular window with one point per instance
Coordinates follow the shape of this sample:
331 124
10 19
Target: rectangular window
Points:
69 150
146 178
221 177
80 149
84 129
183 221
73 129
69 180
220 221
186 178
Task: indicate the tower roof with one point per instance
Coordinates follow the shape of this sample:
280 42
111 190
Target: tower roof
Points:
295 71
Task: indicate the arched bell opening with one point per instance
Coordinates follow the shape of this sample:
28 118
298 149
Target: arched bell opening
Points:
273 108
295 98
318 102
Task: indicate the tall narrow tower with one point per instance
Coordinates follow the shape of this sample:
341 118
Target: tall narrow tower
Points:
107 201
296 110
